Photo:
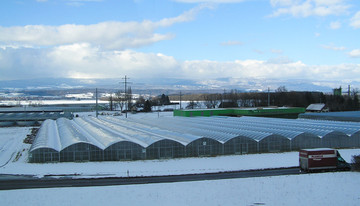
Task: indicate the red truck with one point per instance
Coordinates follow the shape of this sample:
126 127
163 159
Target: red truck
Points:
321 159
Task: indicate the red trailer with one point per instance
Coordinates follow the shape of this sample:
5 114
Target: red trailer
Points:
321 159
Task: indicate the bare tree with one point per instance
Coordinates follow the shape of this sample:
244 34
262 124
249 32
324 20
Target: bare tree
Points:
120 99
193 105
129 98
111 102
211 101
281 89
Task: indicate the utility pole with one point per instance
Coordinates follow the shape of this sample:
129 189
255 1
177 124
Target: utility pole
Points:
223 98
268 96
180 99
96 93
126 96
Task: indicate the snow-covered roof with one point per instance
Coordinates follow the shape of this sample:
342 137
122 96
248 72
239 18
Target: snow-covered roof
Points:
102 134
146 133
348 116
316 107
47 137
105 131
71 133
202 127
34 116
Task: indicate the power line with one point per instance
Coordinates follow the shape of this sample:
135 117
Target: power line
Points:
125 82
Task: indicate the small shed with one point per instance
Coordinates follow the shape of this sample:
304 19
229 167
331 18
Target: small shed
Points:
320 107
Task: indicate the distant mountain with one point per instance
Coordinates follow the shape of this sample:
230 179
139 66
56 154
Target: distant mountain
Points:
162 85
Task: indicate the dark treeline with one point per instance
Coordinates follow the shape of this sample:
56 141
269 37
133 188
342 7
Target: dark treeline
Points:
155 101
281 97
126 101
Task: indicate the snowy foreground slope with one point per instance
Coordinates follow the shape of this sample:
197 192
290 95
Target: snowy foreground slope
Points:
13 160
309 189
14 155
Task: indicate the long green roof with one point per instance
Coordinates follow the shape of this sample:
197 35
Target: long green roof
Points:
268 111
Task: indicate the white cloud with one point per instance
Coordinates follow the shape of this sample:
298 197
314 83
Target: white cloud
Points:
306 8
82 60
232 43
276 51
84 0
258 51
355 53
209 1
80 2
335 25
283 2
108 35
280 60
184 17
286 70
334 48
355 20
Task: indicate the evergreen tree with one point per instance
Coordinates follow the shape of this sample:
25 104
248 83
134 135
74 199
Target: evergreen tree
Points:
147 106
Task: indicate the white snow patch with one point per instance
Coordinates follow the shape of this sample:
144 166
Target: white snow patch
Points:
309 189
12 143
12 147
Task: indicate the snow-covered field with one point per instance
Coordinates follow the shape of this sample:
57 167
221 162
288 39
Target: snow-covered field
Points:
50 102
309 189
14 157
11 144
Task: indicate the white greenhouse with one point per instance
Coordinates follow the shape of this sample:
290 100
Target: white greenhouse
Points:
110 138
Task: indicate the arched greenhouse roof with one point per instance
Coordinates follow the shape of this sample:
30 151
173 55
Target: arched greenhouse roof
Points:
42 140
71 133
100 132
306 125
184 128
203 127
233 124
105 131
242 137
138 133
122 142
152 128
167 140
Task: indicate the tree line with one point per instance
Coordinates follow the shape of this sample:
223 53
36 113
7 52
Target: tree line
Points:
126 101
232 99
281 97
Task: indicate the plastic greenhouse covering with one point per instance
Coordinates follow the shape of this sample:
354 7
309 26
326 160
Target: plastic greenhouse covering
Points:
109 138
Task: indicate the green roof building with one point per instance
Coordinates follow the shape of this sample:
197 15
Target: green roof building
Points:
287 112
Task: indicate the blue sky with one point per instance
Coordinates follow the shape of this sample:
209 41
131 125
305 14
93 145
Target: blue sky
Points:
316 40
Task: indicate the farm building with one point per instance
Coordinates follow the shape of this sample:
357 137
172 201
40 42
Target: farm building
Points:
349 116
251 111
19 116
109 138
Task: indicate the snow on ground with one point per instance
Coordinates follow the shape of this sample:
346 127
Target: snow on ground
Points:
161 167
52 102
12 147
14 157
155 167
308 189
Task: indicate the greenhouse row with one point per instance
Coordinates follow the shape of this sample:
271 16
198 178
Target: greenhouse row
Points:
28 118
109 138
